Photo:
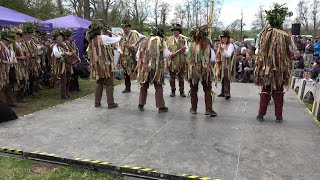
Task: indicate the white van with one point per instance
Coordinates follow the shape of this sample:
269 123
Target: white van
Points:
251 40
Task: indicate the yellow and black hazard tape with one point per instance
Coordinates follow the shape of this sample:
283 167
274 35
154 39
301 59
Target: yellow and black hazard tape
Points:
308 110
100 165
11 151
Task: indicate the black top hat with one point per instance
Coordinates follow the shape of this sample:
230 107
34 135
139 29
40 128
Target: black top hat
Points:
125 24
225 33
176 27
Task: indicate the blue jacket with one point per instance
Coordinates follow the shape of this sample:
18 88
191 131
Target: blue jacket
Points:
316 48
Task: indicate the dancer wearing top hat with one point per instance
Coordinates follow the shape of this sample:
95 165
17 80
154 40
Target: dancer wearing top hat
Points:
225 67
177 44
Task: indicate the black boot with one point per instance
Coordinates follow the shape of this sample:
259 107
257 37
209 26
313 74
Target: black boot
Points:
212 113
173 94
163 110
182 94
112 106
193 111
140 107
260 118
126 90
279 119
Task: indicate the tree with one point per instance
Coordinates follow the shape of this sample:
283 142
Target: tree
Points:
314 16
302 14
179 15
260 19
86 9
139 11
60 7
77 7
164 9
156 10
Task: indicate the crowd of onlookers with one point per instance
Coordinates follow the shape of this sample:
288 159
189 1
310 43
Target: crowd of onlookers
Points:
307 61
245 61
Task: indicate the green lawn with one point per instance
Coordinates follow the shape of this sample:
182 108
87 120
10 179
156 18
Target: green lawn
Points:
309 104
51 97
16 169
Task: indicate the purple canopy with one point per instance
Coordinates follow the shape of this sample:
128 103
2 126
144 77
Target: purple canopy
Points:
11 18
78 25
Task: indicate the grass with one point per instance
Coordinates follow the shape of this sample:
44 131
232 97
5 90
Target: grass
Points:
16 169
51 97
309 104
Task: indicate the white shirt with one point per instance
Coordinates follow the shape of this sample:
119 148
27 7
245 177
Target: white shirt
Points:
106 40
11 54
213 55
56 51
228 53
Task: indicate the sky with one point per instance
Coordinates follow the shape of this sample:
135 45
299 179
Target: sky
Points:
231 9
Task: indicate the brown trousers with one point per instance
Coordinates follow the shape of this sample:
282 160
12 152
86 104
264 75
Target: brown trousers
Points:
21 92
158 94
109 89
65 83
180 79
265 97
127 81
225 89
207 87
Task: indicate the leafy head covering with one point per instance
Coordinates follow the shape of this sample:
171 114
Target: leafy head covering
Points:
16 30
156 31
277 15
199 32
68 32
57 32
28 28
7 34
95 25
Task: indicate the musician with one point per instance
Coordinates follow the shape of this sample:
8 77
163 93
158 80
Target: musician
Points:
177 43
22 75
61 66
225 64
101 63
32 56
74 60
200 59
128 50
151 54
9 61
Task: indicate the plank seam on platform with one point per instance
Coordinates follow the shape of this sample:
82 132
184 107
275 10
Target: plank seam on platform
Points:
243 118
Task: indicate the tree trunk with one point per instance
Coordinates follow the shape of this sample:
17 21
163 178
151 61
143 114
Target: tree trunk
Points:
86 9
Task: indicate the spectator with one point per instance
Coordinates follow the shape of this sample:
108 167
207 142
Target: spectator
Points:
243 51
298 42
249 65
240 67
309 50
315 70
299 62
316 46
